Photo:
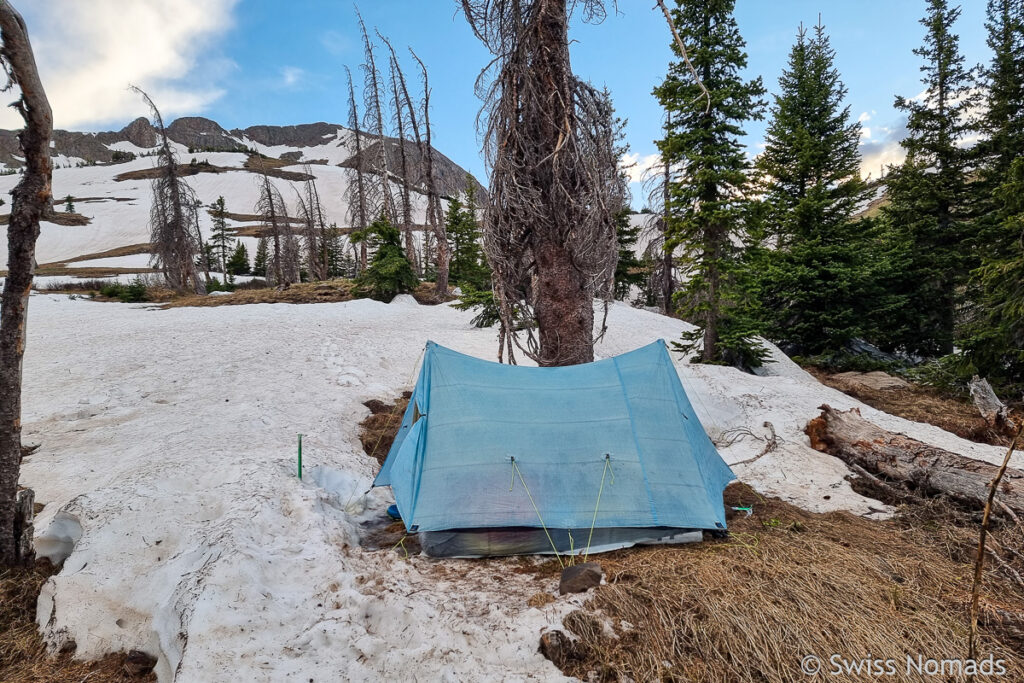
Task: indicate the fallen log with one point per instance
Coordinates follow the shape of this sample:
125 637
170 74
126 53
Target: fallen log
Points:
924 468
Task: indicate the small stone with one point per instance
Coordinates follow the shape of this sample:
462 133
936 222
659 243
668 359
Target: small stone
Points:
579 578
139 663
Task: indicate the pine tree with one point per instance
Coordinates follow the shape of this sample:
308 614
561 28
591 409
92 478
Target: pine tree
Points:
817 279
262 259
1002 122
238 264
220 237
630 271
69 204
468 267
390 272
929 192
996 344
703 136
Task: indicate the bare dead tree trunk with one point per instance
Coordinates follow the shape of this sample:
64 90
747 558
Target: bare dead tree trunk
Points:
549 231
434 212
926 468
174 217
314 229
398 107
668 278
359 216
374 123
31 197
270 206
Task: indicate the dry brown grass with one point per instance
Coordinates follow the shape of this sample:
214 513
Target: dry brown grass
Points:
922 404
23 655
304 293
786 584
377 432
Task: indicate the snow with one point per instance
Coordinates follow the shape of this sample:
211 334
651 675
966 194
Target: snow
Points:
168 451
119 210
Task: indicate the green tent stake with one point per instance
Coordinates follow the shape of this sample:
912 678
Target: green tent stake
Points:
300 456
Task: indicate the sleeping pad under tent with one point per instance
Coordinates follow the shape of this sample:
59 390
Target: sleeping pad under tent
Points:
495 459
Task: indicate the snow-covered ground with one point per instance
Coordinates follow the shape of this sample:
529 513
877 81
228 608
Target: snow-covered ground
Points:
119 209
168 453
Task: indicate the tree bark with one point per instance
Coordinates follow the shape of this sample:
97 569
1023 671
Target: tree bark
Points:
896 457
564 309
31 197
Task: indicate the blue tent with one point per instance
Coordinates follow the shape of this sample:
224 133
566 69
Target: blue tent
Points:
609 445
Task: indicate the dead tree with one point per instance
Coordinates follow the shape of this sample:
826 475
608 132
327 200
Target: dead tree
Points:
373 121
549 230
435 213
357 192
896 457
174 217
398 105
283 264
30 199
313 228
658 184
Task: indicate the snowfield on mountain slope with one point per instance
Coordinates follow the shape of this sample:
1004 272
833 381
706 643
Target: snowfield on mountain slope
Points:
119 209
168 465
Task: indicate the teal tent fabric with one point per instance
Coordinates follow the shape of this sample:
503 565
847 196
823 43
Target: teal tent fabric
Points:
626 420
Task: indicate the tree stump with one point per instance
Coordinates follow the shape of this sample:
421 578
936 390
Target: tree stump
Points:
24 527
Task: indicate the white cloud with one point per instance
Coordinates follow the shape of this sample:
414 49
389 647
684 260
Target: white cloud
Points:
864 117
291 76
636 166
336 43
89 52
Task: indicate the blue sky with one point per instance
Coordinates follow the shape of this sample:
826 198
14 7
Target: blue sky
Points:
247 62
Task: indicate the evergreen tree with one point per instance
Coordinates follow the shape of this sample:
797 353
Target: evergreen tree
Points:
996 344
467 267
390 272
335 252
220 237
817 281
238 264
630 271
929 192
262 259
1002 122
69 204
703 136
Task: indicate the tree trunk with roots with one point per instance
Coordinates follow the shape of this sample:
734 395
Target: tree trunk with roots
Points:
549 231
31 197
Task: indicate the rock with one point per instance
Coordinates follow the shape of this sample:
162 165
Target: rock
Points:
138 663
580 577
555 646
